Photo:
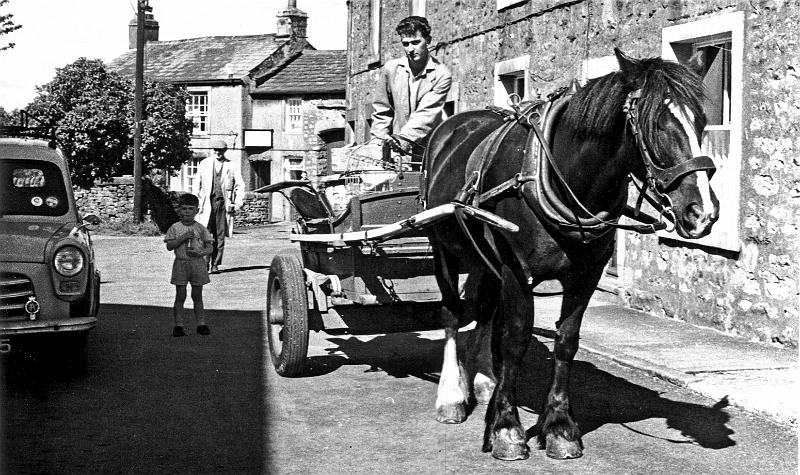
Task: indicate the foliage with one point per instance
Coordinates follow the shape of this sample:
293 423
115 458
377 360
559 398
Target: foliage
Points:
126 228
8 118
7 25
93 112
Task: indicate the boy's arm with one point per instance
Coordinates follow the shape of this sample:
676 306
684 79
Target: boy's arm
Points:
174 241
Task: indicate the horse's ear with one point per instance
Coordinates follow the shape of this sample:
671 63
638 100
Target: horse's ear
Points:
630 68
697 64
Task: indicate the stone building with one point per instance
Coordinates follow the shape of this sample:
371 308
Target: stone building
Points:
741 279
276 101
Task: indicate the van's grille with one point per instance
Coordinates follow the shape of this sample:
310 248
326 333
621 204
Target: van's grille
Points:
15 289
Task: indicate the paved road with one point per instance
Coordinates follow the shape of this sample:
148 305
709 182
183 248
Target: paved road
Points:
150 403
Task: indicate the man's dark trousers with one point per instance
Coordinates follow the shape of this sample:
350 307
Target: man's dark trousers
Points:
217 225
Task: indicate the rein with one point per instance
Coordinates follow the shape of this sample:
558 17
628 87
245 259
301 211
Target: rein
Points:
656 180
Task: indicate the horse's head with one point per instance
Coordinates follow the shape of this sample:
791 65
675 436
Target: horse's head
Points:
664 113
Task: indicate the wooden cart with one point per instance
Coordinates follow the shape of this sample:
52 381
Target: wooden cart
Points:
367 268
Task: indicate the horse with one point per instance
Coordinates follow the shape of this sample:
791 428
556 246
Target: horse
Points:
644 120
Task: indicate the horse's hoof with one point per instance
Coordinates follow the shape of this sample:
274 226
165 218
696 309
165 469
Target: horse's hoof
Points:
483 392
451 413
509 445
561 448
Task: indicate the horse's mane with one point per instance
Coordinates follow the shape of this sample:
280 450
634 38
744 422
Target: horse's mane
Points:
596 109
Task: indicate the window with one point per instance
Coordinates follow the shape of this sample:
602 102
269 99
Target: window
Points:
294 116
720 42
189 173
374 31
511 77
451 101
197 110
295 168
32 187
416 7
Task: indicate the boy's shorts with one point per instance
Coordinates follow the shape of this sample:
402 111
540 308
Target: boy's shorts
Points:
192 271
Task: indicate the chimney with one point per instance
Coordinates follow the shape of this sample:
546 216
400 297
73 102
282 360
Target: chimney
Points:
150 30
292 22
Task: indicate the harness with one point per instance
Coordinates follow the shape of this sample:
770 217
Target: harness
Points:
538 173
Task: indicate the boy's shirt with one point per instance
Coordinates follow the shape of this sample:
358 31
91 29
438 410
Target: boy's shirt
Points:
201 237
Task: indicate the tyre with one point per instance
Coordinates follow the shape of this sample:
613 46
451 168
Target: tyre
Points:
286 315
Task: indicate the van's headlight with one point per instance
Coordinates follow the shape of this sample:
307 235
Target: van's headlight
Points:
68 261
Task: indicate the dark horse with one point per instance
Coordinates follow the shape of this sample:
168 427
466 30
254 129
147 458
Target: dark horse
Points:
644 120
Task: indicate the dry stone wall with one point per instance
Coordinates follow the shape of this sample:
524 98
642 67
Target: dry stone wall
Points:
113 203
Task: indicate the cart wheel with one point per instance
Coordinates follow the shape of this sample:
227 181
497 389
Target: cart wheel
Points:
287 315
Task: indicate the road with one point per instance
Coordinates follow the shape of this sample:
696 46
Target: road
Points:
151 403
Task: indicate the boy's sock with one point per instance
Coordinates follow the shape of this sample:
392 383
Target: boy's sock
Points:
178 331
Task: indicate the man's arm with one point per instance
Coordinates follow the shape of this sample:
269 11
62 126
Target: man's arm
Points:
421 121
383 107
238 188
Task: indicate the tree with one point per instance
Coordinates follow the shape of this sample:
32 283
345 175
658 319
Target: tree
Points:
8 118
7 26
92 110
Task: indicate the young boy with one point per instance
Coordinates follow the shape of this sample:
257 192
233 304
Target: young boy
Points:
191 242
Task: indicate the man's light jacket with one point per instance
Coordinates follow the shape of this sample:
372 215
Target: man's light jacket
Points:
397 112
232 189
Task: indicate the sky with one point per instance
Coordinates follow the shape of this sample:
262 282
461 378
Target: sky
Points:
55 33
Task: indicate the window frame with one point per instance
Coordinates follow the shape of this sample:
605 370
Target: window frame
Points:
516 68
190 113
729 27
417 7
374 36
291 126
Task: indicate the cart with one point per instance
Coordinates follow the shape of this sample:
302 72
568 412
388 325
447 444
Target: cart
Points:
366 267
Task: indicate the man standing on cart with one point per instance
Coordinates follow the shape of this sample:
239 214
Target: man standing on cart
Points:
411 91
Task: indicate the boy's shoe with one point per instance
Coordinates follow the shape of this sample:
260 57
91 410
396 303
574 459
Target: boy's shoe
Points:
203 330
214 270
178 331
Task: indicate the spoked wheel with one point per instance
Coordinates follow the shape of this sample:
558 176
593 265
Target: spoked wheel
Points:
286 316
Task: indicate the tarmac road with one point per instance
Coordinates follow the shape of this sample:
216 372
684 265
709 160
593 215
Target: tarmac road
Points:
151 403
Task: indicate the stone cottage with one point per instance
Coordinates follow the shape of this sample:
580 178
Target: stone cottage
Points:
273 98
743 277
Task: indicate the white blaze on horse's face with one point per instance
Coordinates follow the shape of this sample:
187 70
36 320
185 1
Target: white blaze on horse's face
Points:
685 117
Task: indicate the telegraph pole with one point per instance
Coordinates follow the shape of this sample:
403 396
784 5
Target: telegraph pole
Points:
142 7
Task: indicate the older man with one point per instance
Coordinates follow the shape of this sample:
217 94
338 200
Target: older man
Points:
220 188
411 91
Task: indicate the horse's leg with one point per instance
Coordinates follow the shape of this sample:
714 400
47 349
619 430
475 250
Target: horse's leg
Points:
452 393
479 360
504 435
561 434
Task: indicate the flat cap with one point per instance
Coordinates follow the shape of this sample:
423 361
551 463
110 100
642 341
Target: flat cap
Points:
218 144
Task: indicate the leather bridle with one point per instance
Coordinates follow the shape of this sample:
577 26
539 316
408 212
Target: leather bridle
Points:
659 179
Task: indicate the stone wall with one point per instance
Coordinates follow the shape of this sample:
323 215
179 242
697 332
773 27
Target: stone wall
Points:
113 203
752 292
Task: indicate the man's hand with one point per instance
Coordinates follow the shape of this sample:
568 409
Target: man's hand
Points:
399 144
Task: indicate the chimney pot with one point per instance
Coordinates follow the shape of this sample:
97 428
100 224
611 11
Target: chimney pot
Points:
292 22
150 30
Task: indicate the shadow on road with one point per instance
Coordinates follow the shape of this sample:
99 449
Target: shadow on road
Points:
598 397
147 403
241 269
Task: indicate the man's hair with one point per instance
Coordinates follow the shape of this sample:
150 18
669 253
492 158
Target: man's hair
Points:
188 199
410 25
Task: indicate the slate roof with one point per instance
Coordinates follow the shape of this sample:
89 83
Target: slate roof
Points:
313 71
207 59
